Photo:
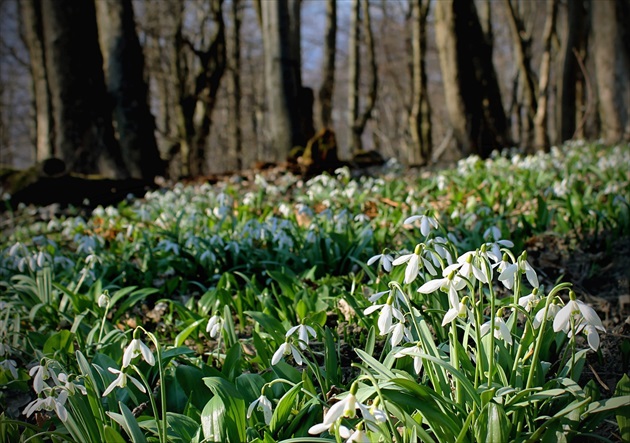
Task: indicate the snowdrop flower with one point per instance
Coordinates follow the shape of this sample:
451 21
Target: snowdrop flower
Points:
458 310
347 408
398 332
449 284
385 260
286 348
413 351
530 300
501 331
136 348
103 300
414 261
263 404
69 386
56 404
11 366
388 313
358 436
426 223
302 331
214 326
552 311
39 374
508 275
584 317
121 382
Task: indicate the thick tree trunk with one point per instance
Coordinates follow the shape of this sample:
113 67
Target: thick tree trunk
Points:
420 117
522 50
124 74
33 33
234 85
541 137
327 89
281 79
83 134
611 69
356 119
473 98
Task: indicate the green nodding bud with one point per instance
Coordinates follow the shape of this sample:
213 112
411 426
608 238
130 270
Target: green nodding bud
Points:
465 300
418 249
354 388
469 258
535 291
524 255
483 248
451 276
572 295
136 333
376 401
390 300
499 312
505 257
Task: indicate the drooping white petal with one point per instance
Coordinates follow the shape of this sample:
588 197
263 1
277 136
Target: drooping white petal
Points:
590 315
532 278
432 285
592 337
296 355
413 218
277 356
374 259
385 319
398 332
372 308
402 259
429 266
450 315
318 428
412 269
147 355
292 330
503 331
561 321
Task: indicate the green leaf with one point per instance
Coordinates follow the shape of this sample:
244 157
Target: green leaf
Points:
272 326
112 435
283 411
232 405
61 341
185 333
330 359
623 416
492 425
232 363
131 425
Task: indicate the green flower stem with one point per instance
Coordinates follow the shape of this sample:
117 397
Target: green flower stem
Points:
455 361
492 325
161 433
100 332
478 307
161 379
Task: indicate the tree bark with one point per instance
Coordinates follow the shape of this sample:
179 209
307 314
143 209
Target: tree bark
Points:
83 134
522 50
611 70
281 79
472 94
31 15
327 89
124 74
541 137
234 85
420 116
356 119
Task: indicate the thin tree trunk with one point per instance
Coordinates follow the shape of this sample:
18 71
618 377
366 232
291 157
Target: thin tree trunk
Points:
124 74
234 85
357 119
541 138
420 117
327 89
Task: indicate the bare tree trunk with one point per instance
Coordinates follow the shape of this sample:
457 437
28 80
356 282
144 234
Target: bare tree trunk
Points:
327 89
541 138
357 120
420 117
44 125
611 66
472 94
522 50
124 73
234 85
281 79
82 135
485 18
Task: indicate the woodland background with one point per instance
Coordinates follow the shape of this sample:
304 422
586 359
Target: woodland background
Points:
145 88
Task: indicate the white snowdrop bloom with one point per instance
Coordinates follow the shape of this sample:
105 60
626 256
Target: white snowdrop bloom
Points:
426 223
450 284
11 366
136 348
385 260
71 387
529 301
286 348
501 331
356 436
414 261
552 311
584 318
347 408
263 404
103 300
388 313
56 404
508 275
121 381
398 332
214 326
40 373
302 331
415 352
458 310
